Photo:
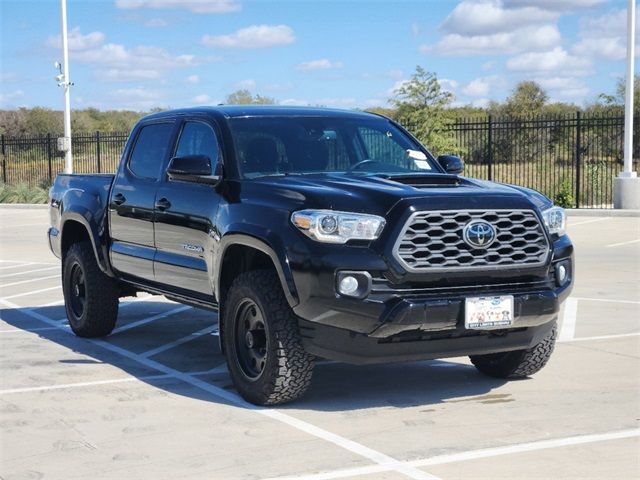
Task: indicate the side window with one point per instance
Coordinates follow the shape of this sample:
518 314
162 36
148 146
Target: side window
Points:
198 138
150 150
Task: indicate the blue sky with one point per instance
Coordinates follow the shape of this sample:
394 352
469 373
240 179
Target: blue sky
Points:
139 54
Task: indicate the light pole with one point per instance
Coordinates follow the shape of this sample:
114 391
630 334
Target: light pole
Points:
626 192
64 144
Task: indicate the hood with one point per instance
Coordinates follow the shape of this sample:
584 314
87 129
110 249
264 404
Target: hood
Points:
378 194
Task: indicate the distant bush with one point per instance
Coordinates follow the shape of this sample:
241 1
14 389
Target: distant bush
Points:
564 196
23 193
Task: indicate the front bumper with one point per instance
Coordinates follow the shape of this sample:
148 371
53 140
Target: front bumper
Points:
403 320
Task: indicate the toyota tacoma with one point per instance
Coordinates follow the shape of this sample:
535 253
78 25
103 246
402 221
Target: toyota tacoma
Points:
314 233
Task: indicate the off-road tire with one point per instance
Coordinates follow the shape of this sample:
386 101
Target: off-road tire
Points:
100 309
517 363
288 368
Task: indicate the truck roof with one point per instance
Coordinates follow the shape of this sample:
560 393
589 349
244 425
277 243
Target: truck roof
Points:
230 111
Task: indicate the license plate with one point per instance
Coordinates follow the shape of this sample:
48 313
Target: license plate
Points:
486 313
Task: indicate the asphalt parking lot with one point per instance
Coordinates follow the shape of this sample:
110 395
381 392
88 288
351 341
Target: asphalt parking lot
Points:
154 400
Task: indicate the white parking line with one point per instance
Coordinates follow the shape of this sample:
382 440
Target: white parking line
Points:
29 330
18 265
602 337
81 384
584 222
180 341
27 271
30 280
144 321
470 455
349 445
632 302
32 292
623 243
568 326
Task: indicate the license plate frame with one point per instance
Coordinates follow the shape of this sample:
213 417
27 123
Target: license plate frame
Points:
488 312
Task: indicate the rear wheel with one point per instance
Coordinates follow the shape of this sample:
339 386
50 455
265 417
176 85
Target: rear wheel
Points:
265 356
517 363
90 296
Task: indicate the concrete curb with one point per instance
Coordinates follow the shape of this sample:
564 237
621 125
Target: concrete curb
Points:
28 206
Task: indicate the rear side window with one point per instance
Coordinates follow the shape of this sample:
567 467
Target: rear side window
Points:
198 138
150 150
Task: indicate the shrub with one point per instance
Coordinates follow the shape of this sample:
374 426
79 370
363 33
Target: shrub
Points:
23 193
564 195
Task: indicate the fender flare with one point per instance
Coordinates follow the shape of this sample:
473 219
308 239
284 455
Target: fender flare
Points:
280 262
79 214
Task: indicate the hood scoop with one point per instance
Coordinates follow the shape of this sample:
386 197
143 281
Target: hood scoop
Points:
427 181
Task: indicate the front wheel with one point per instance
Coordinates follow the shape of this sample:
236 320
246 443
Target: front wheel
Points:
90 296
517 363
265 356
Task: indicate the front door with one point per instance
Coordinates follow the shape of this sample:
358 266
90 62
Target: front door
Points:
185 214
132 201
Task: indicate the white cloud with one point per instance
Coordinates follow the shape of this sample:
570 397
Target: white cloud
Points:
322 64
556 60
489 17
136 98
448 85
193 79
519 40
394 74
246 85
202 99
338 102
77 41
117 63
477 88
294 102
481 103
605 36
555 5
9 77
129 75
156 23
6 99
252 37
196 6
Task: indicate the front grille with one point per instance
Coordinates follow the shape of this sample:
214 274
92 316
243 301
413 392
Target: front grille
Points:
433 241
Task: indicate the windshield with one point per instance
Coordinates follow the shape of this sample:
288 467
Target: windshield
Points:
317 145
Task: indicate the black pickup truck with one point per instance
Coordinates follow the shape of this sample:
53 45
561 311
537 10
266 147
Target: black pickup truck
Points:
314 233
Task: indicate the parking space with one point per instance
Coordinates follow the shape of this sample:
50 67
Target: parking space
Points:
154 399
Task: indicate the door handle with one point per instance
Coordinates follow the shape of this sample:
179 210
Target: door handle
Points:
163 204
119 199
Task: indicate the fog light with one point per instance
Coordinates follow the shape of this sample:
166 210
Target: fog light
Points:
562 274
348 285
353 284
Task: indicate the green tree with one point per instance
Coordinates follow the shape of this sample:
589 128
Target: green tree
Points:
421 104
245 97
527 99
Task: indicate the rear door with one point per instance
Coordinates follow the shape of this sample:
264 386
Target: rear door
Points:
132 200
185 226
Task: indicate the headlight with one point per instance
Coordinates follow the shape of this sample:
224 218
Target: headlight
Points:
555 219
338 227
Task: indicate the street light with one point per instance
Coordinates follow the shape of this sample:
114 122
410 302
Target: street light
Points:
64 143
626 186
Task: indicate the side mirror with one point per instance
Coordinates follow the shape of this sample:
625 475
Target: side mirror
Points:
194 168
451 163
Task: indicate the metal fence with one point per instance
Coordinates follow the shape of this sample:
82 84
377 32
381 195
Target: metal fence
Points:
572 159
35 159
